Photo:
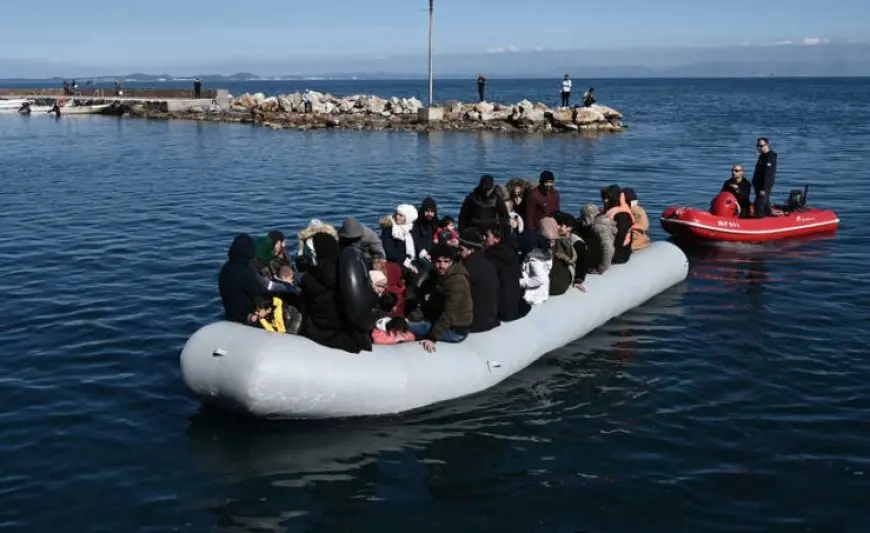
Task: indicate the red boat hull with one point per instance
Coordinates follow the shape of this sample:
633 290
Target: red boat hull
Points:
694 224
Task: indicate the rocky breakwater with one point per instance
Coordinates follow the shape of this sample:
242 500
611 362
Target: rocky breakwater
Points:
314 110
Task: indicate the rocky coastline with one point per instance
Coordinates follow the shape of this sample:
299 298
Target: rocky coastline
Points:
369 112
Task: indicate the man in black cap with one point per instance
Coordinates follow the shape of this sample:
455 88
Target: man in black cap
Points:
355 233
542 201
762 178
483 278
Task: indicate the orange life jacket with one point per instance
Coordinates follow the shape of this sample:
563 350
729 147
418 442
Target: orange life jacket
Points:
623 207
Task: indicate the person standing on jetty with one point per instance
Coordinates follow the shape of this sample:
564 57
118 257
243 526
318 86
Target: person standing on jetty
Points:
197 88
481 87
763 176
566 90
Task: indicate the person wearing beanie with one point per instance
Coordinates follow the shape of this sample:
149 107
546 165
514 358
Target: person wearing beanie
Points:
355 233
449 312
483 278
397 238
425 227
271 255
543 201
640 229
483 207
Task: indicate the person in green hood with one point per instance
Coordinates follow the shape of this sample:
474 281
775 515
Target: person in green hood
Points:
271 255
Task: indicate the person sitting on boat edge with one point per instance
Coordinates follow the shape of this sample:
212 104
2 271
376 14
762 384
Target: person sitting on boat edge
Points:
395 331
598 231
504 255
616 208
483 279
238 283
396 236
449 311
482 206
569 248
324 318
542 201
562 254
305 252
640 229
740 187
355 233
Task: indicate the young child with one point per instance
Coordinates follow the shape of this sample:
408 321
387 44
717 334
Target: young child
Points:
395 331
446 232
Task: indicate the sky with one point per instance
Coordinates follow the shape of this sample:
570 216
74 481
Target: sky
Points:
162 34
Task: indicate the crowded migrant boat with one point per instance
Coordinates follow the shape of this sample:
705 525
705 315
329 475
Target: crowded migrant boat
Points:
421 275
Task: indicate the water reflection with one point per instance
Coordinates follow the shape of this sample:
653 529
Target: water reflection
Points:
322 470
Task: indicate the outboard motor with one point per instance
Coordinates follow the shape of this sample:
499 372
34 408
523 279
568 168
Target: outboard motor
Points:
725 205
797 199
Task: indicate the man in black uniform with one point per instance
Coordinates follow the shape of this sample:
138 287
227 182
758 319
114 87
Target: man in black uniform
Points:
739 187
762 178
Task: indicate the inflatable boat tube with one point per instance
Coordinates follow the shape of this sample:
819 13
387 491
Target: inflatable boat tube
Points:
356 292
272 375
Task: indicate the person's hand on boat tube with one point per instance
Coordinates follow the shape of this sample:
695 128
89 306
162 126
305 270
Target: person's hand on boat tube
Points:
428 345
580 286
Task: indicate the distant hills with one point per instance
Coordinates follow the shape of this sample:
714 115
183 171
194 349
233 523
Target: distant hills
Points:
817 59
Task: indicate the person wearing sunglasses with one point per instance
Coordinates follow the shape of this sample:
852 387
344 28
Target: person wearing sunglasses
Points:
739 186
762 178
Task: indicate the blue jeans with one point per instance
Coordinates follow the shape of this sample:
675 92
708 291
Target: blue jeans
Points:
420 329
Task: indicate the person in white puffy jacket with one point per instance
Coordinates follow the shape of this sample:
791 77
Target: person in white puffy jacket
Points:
536 272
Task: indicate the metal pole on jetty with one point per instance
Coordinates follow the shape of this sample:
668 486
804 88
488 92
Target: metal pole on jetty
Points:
431 10
430 113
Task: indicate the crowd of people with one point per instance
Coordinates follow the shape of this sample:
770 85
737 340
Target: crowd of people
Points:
431 278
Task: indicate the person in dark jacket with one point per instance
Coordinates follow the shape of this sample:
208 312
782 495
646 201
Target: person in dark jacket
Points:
616 209
483 278
763 177
425 227
238 283
324 319
483 207
449 311
541 202
505 257
739 187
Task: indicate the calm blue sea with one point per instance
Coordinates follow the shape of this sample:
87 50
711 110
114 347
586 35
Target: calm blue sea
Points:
738 401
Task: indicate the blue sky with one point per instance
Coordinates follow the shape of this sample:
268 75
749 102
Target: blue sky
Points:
164 32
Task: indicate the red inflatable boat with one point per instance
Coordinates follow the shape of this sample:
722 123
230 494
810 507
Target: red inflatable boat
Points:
723 223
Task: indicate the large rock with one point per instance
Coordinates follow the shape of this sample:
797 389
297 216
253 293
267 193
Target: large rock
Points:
588 115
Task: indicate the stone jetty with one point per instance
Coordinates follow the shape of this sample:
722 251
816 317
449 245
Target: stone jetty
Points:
316 110
369 112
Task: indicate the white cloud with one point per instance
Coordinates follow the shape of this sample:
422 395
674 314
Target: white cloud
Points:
810 41
503 50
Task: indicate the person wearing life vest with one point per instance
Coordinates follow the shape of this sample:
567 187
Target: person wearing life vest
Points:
268 314
618 210
640 229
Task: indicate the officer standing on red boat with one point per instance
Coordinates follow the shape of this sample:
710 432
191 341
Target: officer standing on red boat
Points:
762 178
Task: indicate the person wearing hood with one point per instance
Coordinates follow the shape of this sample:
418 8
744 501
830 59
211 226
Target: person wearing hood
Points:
272 255
483 278
618 210
305 252
238 283
569 251
324 319
449 312
397 238
542 201
355 233
506 259
640 229
598 232
483 207
537 262
425 227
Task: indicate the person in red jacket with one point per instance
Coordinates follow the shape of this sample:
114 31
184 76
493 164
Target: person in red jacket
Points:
542 201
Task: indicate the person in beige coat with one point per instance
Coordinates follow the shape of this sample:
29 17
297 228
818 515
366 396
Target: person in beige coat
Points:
640 230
